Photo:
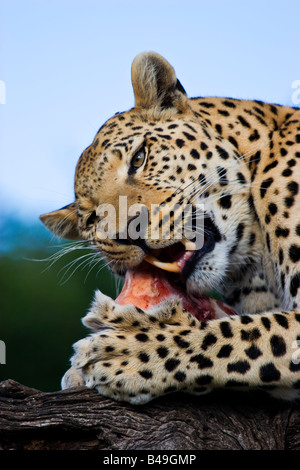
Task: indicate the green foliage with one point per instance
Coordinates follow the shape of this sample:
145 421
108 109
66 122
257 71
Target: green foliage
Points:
41 310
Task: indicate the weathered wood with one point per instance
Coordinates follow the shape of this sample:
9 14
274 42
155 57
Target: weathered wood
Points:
82 419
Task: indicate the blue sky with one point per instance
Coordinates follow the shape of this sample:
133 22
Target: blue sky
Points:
66 66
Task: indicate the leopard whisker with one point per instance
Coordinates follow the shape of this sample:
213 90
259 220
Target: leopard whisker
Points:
70 265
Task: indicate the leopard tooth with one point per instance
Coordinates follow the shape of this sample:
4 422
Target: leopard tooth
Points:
189 245
171 267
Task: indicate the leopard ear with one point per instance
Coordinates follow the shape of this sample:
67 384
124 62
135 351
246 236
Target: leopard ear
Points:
155 83
63 222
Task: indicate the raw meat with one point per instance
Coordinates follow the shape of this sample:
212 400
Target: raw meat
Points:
148 286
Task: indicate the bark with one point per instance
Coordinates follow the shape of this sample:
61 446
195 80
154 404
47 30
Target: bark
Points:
81 419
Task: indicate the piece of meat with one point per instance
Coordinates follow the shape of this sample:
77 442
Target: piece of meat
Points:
148 286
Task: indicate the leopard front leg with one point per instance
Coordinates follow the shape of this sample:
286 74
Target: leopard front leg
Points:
135 356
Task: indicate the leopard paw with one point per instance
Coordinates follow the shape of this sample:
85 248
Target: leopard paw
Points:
134 356
72 378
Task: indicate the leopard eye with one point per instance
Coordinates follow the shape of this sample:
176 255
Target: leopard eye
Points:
138 159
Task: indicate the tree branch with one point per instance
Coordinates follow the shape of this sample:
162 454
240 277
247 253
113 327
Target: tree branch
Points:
81 419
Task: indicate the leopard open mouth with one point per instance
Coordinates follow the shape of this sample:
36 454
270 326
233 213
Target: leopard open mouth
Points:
163 274
181 257
172 258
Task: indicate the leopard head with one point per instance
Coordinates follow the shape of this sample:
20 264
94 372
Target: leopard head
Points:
147 165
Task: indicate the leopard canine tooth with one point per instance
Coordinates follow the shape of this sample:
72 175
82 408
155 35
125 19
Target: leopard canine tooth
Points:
171 267
189 245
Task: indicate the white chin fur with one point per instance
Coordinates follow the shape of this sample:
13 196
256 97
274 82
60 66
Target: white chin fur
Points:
210 271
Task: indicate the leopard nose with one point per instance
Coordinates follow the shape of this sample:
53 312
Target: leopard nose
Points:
133 235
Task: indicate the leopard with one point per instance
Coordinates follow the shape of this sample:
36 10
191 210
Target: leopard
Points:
240 159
